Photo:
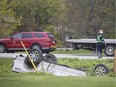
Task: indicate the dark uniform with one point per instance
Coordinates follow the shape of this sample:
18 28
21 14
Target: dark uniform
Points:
100 44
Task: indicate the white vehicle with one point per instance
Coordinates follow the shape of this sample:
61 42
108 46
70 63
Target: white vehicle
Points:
90 44
42 63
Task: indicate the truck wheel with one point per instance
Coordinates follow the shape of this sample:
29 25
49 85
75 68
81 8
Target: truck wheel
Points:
50 58
109 50
101 70
2 48
36 57
74 46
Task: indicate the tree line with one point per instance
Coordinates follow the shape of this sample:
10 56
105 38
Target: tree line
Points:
84 16
75 18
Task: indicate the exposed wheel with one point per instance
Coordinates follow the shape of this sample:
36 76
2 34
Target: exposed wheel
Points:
101 70
109 50
2 48
36 57
50 58
36 46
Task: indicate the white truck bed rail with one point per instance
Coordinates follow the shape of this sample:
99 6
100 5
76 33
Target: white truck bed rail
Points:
90 40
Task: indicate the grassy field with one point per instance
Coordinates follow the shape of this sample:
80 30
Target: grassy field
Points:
66 51
12 79
32 80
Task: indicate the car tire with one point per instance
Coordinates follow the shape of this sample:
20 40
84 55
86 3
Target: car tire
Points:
36 46
2 48
10 51
109 50
101 70
36 56
50 58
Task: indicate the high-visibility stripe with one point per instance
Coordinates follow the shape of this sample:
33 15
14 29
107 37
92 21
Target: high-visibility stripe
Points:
98 39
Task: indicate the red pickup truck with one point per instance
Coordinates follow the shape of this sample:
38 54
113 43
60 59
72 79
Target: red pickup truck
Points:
44 41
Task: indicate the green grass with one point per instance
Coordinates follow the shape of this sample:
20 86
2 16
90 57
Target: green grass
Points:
67 51
31 80
81 51
85 63
62 51
11 79
5 65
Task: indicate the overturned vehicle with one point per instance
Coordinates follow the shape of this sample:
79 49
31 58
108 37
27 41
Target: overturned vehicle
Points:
38 62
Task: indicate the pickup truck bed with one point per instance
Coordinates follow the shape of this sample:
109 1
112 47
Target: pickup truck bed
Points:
108 41
91 45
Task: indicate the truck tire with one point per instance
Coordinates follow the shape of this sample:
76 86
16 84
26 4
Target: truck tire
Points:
74 46
109 50
36 56
101 70
50 58
2 48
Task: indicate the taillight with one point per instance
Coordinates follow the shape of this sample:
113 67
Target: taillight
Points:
52 40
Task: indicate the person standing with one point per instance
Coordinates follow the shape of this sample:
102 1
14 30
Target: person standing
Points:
99 43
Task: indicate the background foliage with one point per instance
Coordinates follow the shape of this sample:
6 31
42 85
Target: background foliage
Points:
73 18
8 20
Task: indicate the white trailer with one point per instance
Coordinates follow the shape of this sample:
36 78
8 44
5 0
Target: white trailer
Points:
90 44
